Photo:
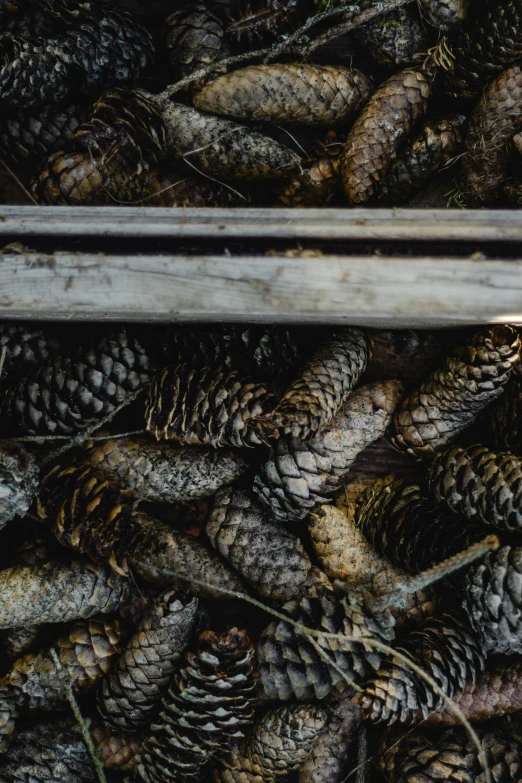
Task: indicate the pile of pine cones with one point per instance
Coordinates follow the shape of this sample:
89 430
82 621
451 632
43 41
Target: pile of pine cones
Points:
299 103
199 582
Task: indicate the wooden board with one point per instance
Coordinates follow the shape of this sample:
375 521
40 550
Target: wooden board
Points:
373 291
405 225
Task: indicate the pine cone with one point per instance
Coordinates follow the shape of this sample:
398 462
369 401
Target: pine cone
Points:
103 47
131 694
25 345
117 751
370 149
328 760
17 641
444 404
504 419
487 163
299 476
321 387
206 406
297 94
291 667
86 653
479 484
171 188
394 38
210 702
413 756
420 158
48 752
315 186
160 472
267 556
401 523
224 149
57 593
254 23
444 647
29 136
497 691
490 44
344 554
493 597
92 515
70 393
448 15
194 39
18 480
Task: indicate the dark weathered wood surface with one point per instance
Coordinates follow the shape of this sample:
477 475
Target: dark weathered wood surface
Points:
321 224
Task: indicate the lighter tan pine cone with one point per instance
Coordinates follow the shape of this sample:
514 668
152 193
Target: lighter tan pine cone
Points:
161 472
223 149
383 125
294 93
320 388
130 695
117 751
298 476
59 592
266 555
472 377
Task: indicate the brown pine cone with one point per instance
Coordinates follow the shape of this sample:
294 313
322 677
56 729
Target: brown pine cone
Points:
294 93
210 702
223 149
291 667
267 556
412 756
493 600
479 484
321 387
300 476
395 37
27 137
255 23
504 419
161 472
315 186
208 406
26 346
48 752
497 691
328 761
92 515
448 15
420 158
401 522
371 148
173 188
17 641
487 163
18 480
86 652
131 693
59 592
117 751
444 647
194 38
448 401
70 393
345 554
491 43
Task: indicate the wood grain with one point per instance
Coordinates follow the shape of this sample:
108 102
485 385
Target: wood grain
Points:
374 291
424 225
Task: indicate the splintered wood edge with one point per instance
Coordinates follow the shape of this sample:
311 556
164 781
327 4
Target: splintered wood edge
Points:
322 224
382 292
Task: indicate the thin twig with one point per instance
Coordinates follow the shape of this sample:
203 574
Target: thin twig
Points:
297 42
2 359
80 720
367 640
45 438
86 434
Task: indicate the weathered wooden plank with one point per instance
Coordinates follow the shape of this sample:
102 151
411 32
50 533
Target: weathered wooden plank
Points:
376 291
321 224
